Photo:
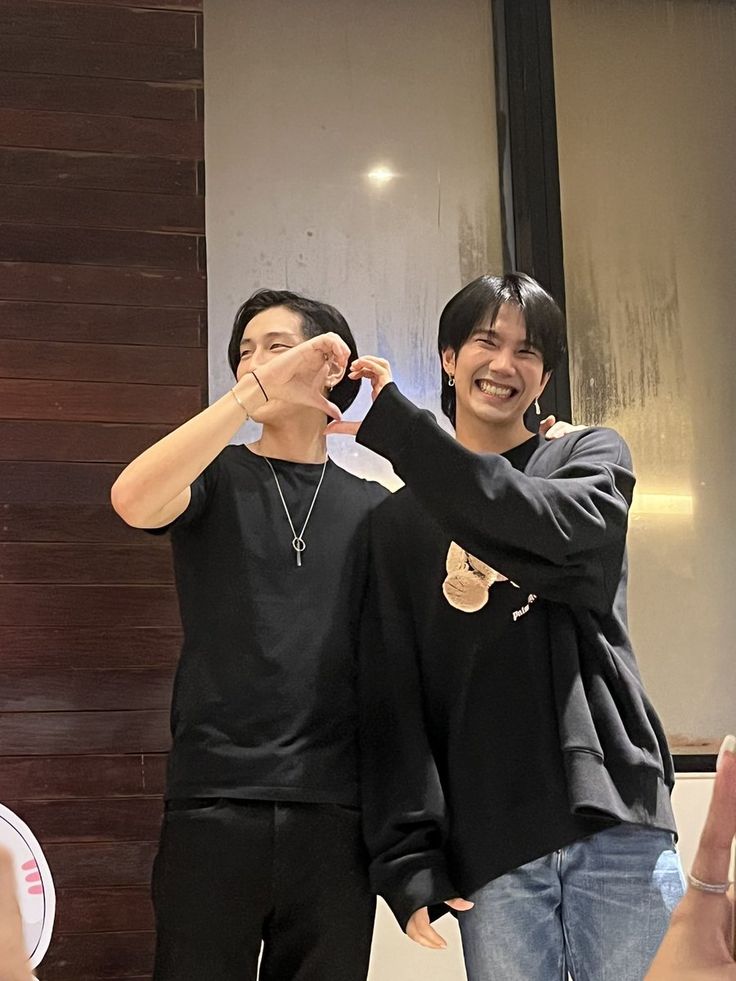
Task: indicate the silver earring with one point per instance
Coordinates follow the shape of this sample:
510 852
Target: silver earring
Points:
451 381
536 407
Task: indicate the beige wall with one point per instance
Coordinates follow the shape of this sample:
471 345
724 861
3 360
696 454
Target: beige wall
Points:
647 143
302 101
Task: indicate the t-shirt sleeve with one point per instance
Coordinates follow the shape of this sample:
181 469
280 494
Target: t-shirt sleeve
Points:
202 489
404 812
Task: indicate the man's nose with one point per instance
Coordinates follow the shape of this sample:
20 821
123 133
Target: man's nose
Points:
501 362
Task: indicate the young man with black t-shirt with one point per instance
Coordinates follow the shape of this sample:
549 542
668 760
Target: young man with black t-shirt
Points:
261 839
511 756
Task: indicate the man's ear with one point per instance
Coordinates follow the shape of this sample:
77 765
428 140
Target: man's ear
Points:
545 379
448 362
335 375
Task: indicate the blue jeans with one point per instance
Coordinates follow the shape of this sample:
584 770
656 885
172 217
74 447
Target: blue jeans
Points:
596 909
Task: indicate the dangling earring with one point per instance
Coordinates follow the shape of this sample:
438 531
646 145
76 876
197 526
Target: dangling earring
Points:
536 407
451 381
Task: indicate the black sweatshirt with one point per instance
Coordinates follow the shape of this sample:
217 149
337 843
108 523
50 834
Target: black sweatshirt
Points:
493 738
264 703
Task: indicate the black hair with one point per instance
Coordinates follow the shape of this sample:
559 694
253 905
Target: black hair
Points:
480 301
316 318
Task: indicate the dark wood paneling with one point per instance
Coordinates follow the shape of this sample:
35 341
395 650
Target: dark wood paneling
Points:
52 778
41 483
65 56
103 909
103 171
74 690
80 401
99 864
159 4
111 956
72 733
75 442
38 562
111 134
102 341
111 97
98 247
95 362
64 523
93 284
83 606
37 648
102 209
102 324
40 18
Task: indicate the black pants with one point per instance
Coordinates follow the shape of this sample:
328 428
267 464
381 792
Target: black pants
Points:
230 874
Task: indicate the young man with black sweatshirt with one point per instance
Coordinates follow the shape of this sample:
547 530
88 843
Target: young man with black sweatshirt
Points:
514 767
261 839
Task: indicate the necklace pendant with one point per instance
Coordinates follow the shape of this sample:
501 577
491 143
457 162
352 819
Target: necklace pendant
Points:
298 544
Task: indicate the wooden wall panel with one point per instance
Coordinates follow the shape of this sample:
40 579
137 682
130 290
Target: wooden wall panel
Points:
40 778
119 363
112 134
64 523
75 441
102 352
101 323
106 96
43 647
64 168
102 209
98 247
97 401
67 56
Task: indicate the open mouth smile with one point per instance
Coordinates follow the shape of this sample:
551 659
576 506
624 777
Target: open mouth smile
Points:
495 390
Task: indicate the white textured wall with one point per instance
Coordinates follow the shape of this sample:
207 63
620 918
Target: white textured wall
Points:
302 100
647 141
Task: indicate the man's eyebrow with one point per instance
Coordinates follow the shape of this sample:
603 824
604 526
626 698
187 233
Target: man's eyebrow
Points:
269 336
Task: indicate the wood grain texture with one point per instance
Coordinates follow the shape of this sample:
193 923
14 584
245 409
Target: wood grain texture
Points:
97 362
102 323
95 284
95 733
120 25
84 691
103 209
103 171
124 863
82 606
42 483
103 909
108 956
96 401
42 562
99 96
75 442
102 351
65 523
52 778
67 56
35 647
97 247
111 134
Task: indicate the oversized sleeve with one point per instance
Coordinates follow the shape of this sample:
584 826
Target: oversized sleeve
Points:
404 813
562 535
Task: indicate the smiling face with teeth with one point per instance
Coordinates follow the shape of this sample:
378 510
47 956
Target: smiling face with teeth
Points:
498 374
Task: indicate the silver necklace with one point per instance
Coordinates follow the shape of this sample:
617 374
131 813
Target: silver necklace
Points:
297 542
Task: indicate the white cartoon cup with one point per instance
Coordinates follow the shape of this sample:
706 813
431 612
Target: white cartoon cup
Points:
34 885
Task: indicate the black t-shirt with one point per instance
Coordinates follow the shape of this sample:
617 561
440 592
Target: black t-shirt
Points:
264 703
